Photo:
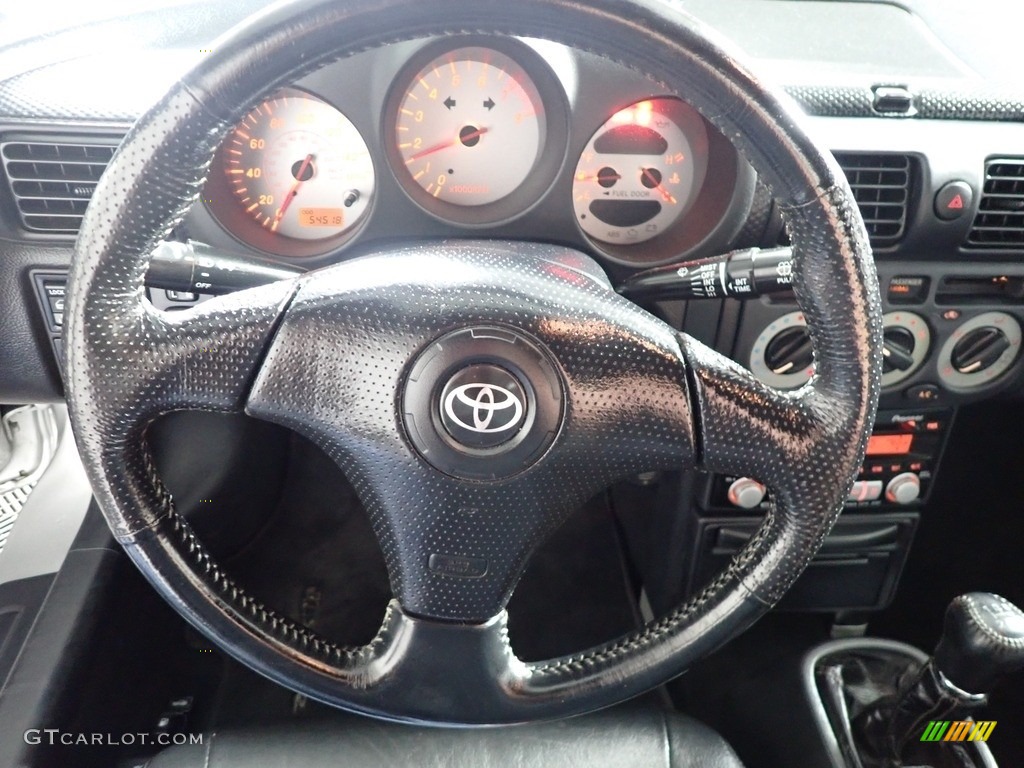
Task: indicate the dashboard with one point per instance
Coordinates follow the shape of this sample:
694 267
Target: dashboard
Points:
477 137
473 136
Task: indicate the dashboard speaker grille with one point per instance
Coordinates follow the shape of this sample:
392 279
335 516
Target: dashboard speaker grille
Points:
882 184
999 222
52 179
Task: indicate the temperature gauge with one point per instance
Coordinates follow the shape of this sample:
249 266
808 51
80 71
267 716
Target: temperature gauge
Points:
639 172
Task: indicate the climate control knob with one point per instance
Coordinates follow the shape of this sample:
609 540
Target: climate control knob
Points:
906 340
904 488
790 350
979 349
746 493
897 349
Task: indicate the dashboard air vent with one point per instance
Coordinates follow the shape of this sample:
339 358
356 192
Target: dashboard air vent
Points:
881 184
52 179
999 222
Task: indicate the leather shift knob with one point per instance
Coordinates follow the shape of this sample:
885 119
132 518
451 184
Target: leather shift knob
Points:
982 640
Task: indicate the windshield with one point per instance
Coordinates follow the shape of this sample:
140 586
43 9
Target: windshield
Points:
961 28
23 20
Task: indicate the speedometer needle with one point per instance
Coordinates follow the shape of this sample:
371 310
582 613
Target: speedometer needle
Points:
656 184
460 139
299 180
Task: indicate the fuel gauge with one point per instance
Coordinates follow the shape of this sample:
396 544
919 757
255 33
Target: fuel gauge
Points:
639 173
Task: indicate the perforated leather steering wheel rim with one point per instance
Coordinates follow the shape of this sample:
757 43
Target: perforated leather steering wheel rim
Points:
127 364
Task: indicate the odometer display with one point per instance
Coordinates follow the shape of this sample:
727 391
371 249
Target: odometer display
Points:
322 217
299 168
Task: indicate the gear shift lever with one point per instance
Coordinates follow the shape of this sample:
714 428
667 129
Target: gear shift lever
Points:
982 640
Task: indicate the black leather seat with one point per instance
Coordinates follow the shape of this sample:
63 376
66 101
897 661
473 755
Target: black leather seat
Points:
619 738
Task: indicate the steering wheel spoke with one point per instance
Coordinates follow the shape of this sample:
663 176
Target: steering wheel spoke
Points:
203 358
746 426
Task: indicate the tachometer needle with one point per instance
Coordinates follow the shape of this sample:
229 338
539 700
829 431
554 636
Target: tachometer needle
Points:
460 139
656 184
299 180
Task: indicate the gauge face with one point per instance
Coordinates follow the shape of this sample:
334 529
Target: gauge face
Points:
638 174
469 127
299 168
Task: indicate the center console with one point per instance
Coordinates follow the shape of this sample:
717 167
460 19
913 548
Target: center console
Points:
859 564
952 336
902 458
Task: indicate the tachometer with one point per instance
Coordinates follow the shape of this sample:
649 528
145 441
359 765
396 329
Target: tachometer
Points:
299 169
639 173
468 130
470 127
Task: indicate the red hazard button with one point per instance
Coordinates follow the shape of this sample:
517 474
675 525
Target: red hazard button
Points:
953 200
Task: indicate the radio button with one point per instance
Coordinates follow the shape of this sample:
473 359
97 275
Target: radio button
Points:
865 490
904 488
746 493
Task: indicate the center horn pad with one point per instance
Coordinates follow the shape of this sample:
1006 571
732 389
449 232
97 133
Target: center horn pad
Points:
482 403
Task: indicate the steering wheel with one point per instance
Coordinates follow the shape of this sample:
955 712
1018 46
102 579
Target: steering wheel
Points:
362 356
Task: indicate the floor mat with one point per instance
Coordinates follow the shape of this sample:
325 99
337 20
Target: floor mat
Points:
317 560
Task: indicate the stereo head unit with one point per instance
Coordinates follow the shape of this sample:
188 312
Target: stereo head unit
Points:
902 458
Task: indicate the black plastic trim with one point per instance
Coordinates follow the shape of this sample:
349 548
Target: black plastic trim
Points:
931 104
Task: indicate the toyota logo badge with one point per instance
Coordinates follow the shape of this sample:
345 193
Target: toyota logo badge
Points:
484 408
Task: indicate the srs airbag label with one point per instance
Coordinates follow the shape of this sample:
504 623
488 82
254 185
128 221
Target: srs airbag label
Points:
461 567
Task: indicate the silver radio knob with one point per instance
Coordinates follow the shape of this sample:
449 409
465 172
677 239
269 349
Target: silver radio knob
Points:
746 493
904 488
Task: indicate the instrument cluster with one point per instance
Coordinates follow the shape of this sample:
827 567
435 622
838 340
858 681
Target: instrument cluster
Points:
476 134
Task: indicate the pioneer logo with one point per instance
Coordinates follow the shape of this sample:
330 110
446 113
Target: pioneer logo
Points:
902 418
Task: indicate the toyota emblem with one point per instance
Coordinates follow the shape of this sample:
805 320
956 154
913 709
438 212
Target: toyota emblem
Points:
484 408
482 403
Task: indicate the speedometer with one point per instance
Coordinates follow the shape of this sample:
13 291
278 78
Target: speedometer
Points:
299 173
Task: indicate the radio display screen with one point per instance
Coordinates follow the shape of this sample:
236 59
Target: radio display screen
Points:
889 445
